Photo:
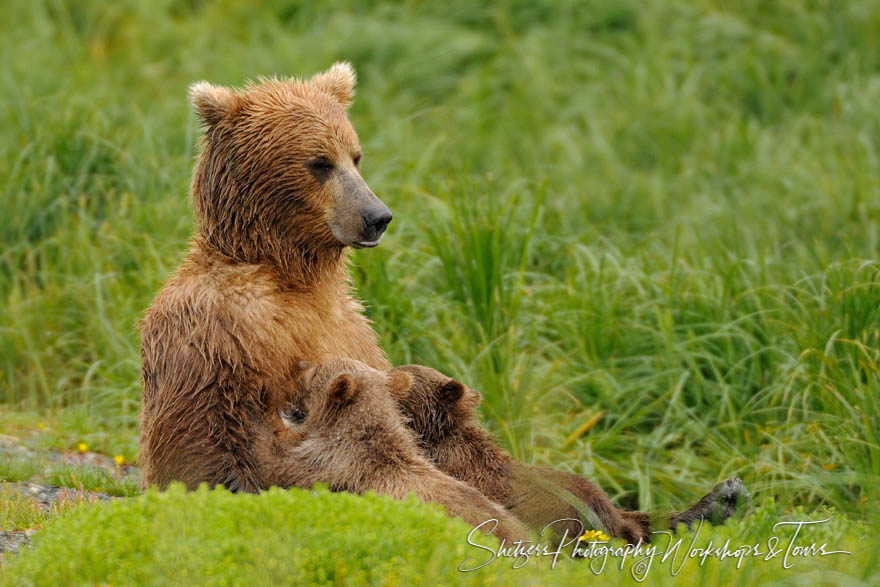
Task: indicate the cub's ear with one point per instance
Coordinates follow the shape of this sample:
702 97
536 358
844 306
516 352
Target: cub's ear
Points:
211 103
338 81
342 390
401 383
451 391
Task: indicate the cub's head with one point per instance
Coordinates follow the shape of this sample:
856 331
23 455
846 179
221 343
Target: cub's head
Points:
436 405
345 389
280 167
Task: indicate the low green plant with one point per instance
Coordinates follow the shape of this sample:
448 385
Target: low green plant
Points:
324 538
14 468
22 512
92 478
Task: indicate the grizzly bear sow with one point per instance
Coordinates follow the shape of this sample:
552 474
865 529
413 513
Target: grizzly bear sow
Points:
278 197
345 430
442 413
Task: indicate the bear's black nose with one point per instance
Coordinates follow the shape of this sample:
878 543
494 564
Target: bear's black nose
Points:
376 221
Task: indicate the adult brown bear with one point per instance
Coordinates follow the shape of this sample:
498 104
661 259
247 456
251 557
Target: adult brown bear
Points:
279 200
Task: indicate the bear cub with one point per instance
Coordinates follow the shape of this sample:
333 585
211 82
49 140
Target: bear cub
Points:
344 429
442 413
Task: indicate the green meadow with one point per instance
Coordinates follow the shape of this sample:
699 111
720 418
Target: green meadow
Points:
647 232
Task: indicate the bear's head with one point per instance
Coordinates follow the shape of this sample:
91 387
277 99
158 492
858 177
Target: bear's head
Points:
436 405
279 170
343 388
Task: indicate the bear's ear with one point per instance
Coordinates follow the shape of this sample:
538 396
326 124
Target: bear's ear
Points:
338 81
401 383
451 391
342 390
211 103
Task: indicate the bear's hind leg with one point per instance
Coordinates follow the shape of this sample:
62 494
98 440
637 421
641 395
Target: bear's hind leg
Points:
566 495
714 507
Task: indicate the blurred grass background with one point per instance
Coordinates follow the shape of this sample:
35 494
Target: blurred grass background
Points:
647 232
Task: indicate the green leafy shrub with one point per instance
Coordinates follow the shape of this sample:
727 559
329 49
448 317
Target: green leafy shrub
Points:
216 537
319 537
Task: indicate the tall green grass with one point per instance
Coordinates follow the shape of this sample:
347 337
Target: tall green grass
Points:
657 223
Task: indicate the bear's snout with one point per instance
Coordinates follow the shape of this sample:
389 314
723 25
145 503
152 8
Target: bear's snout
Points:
358 217
375 222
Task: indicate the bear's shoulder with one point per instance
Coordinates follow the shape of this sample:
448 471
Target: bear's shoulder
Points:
220 308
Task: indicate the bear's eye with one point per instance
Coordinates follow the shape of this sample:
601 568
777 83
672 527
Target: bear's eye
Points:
293 415
320 168
357 160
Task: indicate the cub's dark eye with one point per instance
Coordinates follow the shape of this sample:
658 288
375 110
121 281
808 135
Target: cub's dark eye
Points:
357 160
293 415
321 168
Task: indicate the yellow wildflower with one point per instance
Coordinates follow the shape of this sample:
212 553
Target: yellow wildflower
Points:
82 446
119 459
596 535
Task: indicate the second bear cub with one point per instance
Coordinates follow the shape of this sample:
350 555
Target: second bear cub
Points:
442 413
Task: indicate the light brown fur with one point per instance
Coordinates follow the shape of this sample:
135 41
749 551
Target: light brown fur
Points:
350 435
265 284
